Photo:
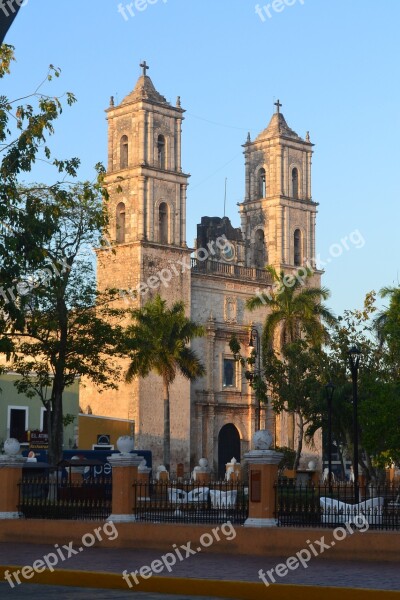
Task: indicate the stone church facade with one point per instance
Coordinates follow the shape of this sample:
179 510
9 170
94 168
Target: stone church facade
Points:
216 416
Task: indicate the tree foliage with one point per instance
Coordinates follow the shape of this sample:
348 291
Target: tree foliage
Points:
157 341
53 321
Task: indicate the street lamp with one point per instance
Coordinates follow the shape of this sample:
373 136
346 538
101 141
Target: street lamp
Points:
329 388
255 336
354 354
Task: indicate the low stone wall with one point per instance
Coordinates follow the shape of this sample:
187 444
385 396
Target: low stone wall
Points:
274 541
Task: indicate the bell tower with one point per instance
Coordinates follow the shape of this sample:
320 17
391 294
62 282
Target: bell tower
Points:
144 158
147 193
278 213
147 230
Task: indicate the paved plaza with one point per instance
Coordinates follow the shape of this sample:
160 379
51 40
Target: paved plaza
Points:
369 575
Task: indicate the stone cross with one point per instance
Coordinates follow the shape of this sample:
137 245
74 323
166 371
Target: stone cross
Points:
145 67
278 106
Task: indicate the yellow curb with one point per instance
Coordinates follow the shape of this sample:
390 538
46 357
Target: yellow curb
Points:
240 590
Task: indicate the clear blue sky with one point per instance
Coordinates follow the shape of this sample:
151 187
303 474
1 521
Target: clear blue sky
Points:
333 64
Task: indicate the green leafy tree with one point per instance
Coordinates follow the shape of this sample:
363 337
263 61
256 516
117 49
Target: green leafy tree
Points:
378 397
294 379
65 327
254 377
25 125
294 310
52 321
387 327
157 341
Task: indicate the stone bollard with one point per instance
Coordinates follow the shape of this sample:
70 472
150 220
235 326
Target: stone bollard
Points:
11 464
263 472
124 474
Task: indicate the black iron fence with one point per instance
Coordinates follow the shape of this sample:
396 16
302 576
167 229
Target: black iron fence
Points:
190 502
299 505
55 495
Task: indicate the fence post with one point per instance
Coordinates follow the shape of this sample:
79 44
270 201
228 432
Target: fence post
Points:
11 464
263 472
124 474
143 478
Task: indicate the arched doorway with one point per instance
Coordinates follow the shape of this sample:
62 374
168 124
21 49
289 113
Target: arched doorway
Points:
228 447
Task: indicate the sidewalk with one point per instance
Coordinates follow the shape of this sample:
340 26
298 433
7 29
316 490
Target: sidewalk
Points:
322 572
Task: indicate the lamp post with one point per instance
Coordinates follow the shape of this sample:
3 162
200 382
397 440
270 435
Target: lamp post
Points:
255 336
354 354
329 388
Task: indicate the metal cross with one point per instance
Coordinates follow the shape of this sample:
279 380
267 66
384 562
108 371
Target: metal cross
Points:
278 106
145 67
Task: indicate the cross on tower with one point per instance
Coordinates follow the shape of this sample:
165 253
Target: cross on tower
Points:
278 106
145 67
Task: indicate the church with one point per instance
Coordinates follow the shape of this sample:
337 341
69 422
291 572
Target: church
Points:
215 416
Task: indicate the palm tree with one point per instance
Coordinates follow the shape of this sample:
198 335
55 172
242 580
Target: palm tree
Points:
387 323
158 341
294 311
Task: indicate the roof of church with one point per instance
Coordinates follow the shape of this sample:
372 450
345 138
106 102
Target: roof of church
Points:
278 127
144 90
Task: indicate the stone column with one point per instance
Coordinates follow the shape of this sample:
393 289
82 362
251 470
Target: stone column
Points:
124 474
11 465
178 137
183 192
263 472
142 208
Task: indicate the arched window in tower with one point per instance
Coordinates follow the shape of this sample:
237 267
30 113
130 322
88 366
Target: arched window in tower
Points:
124 152
120 223
295 183
161 151
259 249
163 223
262 183
298 253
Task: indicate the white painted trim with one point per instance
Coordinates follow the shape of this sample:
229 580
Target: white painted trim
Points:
42 411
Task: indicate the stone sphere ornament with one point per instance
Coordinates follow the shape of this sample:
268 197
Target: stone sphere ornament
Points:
203 463
12 447
312 465
262 440
125 444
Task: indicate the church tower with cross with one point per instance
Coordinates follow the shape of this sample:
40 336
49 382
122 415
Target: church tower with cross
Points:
147 210
215 416
278 213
